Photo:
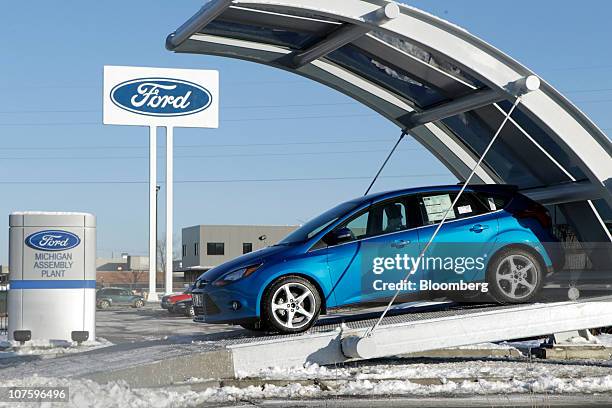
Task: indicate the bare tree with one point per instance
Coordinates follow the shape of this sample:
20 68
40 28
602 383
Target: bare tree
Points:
136 276
161 252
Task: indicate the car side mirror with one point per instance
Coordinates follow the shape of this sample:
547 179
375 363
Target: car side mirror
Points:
340 236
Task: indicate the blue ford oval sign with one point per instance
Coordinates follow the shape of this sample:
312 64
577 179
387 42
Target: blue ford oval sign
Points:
161 97
52 240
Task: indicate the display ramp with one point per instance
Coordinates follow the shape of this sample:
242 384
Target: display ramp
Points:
418 332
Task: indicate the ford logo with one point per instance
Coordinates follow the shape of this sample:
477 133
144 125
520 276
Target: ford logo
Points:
52 240
161 97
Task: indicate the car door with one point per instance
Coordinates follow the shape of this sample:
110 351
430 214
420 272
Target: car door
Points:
126 296
389 251
381 230
465 241
344 263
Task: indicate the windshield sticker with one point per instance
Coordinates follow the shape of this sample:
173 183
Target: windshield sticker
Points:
492 205
436 207
464 209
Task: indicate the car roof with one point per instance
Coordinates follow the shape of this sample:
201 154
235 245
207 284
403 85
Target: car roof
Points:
492 188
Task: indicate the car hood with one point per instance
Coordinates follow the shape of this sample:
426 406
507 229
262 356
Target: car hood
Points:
259 256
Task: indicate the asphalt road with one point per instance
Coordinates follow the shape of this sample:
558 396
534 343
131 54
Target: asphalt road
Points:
125 325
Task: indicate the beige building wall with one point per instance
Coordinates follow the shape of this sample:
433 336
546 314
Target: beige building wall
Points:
195 241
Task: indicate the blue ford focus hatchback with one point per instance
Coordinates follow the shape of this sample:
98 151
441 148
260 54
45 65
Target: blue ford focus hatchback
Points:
500 236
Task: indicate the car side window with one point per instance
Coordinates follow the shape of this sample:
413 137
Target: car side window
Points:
358 225
387 217
492 201
435 205
125 293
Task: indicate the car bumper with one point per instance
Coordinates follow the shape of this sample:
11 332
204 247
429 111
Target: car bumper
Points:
167 305
181 306
224 305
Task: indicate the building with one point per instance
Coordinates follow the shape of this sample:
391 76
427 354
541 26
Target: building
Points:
206 246
4 274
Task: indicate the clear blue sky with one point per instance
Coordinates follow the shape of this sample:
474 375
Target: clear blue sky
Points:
52 54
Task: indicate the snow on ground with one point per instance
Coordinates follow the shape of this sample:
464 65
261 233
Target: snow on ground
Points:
86 393
605 339
486 346
400 369
47 347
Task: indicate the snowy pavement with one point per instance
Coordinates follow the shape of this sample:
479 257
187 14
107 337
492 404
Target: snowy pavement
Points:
131 337
389 378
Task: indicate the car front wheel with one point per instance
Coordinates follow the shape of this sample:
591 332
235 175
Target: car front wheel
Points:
190 311
291 305
515 275
139 303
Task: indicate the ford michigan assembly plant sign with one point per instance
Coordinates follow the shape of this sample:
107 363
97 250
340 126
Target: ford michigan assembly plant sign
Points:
53 255
161 97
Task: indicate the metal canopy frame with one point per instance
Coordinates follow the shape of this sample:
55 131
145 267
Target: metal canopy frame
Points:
441 82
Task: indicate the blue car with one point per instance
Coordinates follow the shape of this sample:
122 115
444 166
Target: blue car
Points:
359 251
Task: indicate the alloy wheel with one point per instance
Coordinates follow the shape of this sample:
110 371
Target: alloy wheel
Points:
516 276
293 305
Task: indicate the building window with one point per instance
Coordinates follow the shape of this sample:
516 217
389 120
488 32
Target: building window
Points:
184 249
247 247
215 248
196 249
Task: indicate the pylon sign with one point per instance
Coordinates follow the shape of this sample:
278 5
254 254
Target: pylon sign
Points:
160 97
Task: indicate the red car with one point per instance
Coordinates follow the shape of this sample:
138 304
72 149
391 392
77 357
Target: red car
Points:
179 303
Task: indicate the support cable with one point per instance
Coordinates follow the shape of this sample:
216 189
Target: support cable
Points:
404 132
371 330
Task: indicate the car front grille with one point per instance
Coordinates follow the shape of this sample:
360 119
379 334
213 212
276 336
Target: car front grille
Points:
204 305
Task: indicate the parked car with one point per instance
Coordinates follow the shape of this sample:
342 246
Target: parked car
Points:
107 297
179 303
285 287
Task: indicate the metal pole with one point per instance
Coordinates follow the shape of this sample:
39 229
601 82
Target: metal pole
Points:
385 162
157 249
169 205
152 212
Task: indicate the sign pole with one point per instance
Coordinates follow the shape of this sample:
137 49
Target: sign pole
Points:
152 213
169 204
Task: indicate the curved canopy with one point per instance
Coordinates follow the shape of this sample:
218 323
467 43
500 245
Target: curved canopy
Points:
450 89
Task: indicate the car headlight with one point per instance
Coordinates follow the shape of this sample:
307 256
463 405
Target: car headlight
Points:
235 275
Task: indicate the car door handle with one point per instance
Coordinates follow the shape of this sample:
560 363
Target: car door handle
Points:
399 243
479 228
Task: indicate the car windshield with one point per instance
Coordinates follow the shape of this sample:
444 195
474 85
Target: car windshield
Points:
317 224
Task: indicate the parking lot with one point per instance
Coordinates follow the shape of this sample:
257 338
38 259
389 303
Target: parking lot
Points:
126 325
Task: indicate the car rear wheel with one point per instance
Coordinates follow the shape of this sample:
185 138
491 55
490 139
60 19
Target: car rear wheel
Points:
515 275
291 305
104 304
139 303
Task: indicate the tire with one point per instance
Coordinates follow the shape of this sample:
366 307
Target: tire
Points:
296 315
171 310
104 304
139 303
190 311
515 275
